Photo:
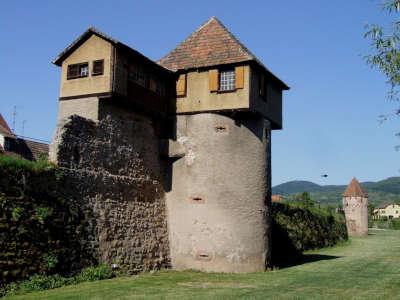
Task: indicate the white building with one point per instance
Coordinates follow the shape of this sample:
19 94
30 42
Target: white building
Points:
390 211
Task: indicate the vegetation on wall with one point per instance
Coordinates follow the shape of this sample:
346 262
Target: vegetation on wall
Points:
301 226
39 228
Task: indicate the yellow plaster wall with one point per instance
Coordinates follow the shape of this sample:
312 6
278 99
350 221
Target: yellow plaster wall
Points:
199 98
94 48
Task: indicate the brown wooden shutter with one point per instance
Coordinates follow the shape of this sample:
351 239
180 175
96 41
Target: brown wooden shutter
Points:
213 80
153 85
262 85
98 67
239 73
73 71
181 86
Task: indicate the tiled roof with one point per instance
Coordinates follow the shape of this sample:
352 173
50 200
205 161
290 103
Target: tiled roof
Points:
210 45
27 149
354 189
384 205
36 149
4 128
276 198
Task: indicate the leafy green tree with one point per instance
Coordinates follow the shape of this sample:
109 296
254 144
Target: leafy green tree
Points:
385 44
305 199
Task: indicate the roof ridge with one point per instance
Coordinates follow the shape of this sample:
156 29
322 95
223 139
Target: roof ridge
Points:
235 38
243 53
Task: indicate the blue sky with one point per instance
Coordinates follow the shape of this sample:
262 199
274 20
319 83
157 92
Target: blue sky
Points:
330 114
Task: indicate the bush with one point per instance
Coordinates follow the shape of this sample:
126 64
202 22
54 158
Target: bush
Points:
43 282
95 273
298 228
39 228
386 223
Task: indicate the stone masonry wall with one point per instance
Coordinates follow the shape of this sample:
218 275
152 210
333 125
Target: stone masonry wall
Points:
113 171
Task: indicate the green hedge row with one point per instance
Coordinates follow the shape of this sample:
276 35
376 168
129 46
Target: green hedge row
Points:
386 224
38 227
296 229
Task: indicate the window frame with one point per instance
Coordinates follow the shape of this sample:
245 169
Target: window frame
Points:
78 73
230 82
102 67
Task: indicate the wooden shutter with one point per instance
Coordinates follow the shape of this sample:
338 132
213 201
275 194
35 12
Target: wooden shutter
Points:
153 85
73 71
239 73
213 80
262 85
98 67
181 86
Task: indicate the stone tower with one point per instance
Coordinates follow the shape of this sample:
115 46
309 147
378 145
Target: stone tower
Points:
227 104
198 121
355 205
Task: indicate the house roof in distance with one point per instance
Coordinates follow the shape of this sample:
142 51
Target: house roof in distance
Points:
210 45
354 189
4 128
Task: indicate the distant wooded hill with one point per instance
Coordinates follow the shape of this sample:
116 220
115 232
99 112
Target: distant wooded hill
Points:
387 190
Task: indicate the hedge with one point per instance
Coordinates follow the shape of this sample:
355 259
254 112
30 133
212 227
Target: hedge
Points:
38 227
296 229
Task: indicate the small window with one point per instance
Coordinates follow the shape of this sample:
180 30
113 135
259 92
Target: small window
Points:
78 70
137 75
160 90
83 70
227 80
98 67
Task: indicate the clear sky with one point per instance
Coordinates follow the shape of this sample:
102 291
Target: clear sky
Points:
316 46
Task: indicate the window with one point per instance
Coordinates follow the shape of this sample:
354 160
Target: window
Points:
83 70
136 74
78 70
227 80
160 89
98 67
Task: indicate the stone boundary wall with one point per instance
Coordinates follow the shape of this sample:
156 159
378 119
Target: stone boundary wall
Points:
112 169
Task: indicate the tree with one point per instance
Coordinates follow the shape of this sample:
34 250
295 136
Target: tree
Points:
305 199
385 44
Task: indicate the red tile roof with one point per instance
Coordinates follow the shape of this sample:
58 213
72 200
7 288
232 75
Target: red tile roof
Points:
354 189
210 45
4 128
276 198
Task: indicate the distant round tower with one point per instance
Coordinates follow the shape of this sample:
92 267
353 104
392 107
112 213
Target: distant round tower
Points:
355 205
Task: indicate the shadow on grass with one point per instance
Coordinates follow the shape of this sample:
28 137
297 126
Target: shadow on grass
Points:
304 259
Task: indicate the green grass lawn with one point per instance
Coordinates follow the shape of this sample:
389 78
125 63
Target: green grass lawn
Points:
364 268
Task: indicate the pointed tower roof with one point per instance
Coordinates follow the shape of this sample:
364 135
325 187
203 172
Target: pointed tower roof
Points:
354 189
210 45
